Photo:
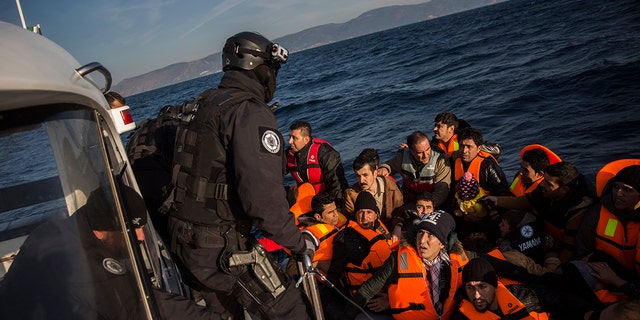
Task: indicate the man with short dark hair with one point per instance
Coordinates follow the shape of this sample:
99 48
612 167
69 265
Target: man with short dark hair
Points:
315 161
534 160
445 132
386 192
490 178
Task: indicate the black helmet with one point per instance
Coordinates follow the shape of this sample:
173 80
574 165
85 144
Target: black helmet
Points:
247 50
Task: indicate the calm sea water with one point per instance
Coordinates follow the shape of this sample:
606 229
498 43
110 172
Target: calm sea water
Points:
565 74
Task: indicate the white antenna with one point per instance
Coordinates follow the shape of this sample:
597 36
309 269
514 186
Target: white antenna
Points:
24 24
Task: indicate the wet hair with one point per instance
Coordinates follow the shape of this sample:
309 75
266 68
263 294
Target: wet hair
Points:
303 126
473 134
320 200
424 196
537 158
112 96
415 137
367 156
447 118
566 172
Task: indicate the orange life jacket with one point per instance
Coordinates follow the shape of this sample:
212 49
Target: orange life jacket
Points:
379 250
474 167
450 147
618 240
323 235
462 258
607 296
314 172
410 298
508 304
517 187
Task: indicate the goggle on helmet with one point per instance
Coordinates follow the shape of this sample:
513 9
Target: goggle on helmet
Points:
248 50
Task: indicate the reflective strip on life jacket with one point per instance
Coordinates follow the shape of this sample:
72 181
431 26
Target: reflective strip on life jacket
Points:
414 182
618 240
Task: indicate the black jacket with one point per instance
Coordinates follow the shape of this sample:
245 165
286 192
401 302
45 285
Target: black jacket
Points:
331 166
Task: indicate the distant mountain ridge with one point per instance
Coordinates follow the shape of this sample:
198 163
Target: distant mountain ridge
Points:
369 22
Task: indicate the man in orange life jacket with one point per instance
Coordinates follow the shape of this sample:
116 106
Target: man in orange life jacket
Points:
531 173
491 179
445 132
320 226
484 297
359 249
421 276
560 202
315 161
423 169
386 192
612 229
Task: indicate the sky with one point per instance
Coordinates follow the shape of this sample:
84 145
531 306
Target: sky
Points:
133 37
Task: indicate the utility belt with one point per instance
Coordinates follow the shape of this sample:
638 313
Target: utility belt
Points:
242 256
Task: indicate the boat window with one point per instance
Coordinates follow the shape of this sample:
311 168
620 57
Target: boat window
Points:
62 246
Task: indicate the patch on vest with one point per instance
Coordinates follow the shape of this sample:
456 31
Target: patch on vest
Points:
526 231
270 141
113 266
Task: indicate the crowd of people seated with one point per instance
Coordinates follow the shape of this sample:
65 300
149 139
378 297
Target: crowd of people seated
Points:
438 232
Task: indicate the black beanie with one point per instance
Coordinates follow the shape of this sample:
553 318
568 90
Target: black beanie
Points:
629 175
479 269
365 200
439 224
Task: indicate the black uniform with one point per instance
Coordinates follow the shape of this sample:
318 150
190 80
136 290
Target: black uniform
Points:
64 272
230 163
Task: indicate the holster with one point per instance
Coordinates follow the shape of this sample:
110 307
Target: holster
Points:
263 278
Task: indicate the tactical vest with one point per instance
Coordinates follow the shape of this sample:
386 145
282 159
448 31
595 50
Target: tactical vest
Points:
202 193
414 182
151 145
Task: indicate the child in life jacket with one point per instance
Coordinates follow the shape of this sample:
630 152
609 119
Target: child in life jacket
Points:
467 195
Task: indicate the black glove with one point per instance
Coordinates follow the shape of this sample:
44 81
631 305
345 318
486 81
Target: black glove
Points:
307 251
